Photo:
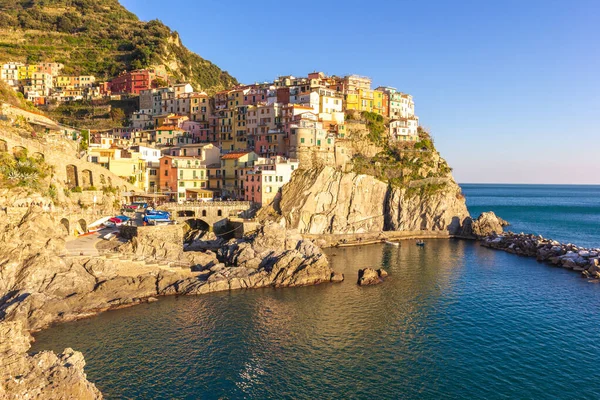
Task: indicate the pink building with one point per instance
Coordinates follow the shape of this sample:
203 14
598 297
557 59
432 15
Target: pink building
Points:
197 130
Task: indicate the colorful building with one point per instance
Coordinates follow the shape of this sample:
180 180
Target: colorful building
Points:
232 172
185 178
263 181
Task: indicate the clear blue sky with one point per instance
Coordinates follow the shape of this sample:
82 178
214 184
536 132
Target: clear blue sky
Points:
509 89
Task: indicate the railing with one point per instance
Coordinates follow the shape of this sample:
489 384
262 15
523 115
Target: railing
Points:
189 204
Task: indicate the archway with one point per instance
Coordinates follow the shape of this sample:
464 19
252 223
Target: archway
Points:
86 178
219 213
65 222
3 145
72 180
199 224
204 213
83 225
19 151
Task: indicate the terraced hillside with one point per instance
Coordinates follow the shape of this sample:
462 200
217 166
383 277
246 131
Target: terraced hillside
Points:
99 37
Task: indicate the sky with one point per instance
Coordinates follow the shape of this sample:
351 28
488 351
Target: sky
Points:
510 90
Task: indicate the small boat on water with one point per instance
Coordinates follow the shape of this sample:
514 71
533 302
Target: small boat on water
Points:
420 243
392 243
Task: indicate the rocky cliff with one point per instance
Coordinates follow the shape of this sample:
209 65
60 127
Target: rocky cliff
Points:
326 200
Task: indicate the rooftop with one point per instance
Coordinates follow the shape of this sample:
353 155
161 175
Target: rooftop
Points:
234 155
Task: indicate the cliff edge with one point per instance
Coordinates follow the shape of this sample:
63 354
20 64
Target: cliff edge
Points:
328 201
386 185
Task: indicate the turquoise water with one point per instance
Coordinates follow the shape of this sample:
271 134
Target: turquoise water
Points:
454 320
567 213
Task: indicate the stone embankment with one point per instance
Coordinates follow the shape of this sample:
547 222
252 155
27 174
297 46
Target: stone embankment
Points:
579 259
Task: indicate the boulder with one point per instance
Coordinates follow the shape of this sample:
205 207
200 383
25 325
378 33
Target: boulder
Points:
486 224
370 276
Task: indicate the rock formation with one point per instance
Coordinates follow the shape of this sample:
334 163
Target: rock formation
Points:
369 276
486 224
42 376
40 286
569 256
325 200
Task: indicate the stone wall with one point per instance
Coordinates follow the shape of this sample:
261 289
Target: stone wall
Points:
147 234
70 171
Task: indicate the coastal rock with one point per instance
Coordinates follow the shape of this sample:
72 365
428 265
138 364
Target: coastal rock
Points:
42 376
486 224
370 276
38 288
567 256
326 200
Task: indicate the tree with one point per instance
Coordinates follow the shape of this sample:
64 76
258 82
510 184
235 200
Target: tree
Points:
159 83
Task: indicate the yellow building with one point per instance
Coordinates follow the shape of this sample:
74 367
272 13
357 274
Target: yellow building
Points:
192 178
232 165
378 103
27 71
352 101
365 100
132 168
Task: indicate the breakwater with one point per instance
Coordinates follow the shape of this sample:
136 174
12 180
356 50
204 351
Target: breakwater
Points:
569 256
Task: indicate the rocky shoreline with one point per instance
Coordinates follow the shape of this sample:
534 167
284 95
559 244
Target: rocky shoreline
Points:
569 256
39 288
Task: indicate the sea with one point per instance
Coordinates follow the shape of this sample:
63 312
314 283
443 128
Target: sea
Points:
453 321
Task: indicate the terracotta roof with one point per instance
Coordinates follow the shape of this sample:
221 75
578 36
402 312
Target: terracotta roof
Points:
169 128
234 155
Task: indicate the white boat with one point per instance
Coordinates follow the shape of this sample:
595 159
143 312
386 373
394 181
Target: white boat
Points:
392 243
98 224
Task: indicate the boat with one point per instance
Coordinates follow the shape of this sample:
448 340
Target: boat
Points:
392 243
420 243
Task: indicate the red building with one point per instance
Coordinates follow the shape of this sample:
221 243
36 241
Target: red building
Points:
134 82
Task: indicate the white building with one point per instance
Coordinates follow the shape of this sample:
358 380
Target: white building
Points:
10 73
404 129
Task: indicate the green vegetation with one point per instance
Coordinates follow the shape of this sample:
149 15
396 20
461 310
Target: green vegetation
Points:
10 96
95 114
402 164
77 189
376 125
109 190
426 190
100 38
20 170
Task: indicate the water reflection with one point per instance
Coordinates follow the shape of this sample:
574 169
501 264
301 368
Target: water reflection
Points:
453 320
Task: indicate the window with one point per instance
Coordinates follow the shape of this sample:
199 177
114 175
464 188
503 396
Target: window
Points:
219 213
301 140
181 184
166 172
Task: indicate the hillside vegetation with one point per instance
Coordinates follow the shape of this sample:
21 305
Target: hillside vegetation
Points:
99 37
401 164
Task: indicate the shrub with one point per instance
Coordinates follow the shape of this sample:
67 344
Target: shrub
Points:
77 189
